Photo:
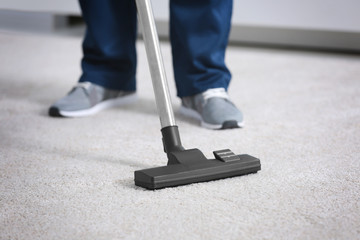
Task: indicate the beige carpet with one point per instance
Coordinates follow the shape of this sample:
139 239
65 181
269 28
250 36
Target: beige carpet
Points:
73 178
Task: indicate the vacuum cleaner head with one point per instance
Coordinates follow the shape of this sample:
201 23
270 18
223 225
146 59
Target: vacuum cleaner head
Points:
184 166
191 166
201 170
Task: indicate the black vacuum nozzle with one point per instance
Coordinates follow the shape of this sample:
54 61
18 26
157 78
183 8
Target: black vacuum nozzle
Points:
184 166
191 166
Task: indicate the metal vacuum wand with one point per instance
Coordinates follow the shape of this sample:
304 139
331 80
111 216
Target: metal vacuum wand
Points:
156 65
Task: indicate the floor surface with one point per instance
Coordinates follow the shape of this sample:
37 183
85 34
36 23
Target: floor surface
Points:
73 178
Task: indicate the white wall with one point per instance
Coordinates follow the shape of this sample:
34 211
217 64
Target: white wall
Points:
312 23
330 24
341 15
53 6
334 15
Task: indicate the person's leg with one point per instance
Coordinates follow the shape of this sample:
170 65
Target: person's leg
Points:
199 36
109 44
109 61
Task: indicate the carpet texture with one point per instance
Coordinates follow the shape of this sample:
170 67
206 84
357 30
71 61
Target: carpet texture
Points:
73 178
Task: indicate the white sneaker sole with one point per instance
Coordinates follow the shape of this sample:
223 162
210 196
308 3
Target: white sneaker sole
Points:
111 103
195 115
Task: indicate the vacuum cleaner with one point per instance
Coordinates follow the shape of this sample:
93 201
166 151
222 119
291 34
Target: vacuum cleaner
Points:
185 166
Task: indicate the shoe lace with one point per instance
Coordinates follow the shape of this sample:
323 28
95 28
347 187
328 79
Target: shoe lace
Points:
84 85
215 92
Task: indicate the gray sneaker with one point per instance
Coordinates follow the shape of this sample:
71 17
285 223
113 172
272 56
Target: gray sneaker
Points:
87 99
213 108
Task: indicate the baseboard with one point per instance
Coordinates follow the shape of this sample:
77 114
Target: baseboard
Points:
240 34
31 21
286 37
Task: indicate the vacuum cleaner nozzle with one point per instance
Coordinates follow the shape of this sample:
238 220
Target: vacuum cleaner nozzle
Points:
184 166
191 166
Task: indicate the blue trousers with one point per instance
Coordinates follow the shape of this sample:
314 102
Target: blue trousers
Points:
199 31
